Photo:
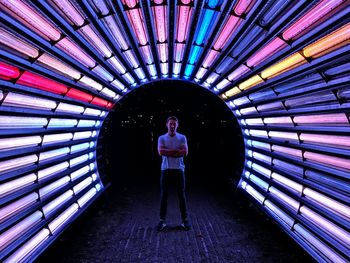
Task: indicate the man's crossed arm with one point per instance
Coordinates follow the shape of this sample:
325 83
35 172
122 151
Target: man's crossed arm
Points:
182 151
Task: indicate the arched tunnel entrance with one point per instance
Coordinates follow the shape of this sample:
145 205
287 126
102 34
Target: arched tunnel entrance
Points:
70 70
130 135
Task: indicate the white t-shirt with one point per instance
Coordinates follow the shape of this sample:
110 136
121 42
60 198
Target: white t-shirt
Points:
174 142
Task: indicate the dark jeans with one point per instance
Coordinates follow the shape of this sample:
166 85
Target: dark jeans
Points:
168 177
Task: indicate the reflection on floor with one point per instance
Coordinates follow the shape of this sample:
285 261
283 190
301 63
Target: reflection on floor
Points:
121 228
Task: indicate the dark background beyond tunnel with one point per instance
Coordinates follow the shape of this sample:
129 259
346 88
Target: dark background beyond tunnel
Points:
130 134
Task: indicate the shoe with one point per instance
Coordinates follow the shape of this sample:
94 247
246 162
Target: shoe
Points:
186 225
161 225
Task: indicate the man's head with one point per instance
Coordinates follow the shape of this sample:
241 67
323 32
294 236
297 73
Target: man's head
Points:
172 123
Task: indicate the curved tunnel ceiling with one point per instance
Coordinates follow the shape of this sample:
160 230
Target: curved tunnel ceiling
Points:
281 66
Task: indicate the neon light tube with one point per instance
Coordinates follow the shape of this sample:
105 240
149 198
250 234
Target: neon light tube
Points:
130 57
78 160
160 20
70 12
64 107
287 200
322 118
287 182
55 64
279 213
278 120
117 65
286 150
78 173
284 135
29 247
53 187
152 70
328 160
33 18
164 68
55 224
289 63
310 19
118 84
100 102
19 142
8 72
79 147
91 83
83 184
273 47
210 58
57 202
250 190
251 82
231 92
86 123
241 70
79 95
224 83
70 48
19 229
243 6
229 28
195 51
86 197
177 68
18 162
336 206
135 17
342 141
326 225
36 81
108 92
100 71
54 138
19 100
17 184
45 173
335 40
62 123
15 43
13 122
53 154
183 22
212 77
95 40
82 135
15 207
201 73
114 29
93 112
163 52
101 6
147 54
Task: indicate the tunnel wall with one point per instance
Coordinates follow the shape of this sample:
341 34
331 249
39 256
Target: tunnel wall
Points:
281 66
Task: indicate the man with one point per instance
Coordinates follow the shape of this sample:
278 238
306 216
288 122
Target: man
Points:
172 146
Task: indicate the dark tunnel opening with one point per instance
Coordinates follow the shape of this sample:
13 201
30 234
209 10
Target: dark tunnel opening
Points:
130 135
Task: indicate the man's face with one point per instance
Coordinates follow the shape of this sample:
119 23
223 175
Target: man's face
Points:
172 126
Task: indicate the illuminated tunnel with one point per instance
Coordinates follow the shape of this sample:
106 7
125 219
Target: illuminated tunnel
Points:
282 67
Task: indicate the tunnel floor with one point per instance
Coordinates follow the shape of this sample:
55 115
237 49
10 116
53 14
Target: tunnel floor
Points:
121 227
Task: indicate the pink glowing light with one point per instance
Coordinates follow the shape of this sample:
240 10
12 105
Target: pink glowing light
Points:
163 52
210 58
264 53
183 22
229 28
130 3
241 70
25 12
159 14
137 24
307 21
243 6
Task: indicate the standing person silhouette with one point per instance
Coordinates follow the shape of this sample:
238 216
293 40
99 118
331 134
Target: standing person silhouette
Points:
172 146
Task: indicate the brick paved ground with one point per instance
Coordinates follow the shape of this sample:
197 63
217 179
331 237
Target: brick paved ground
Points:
121 228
